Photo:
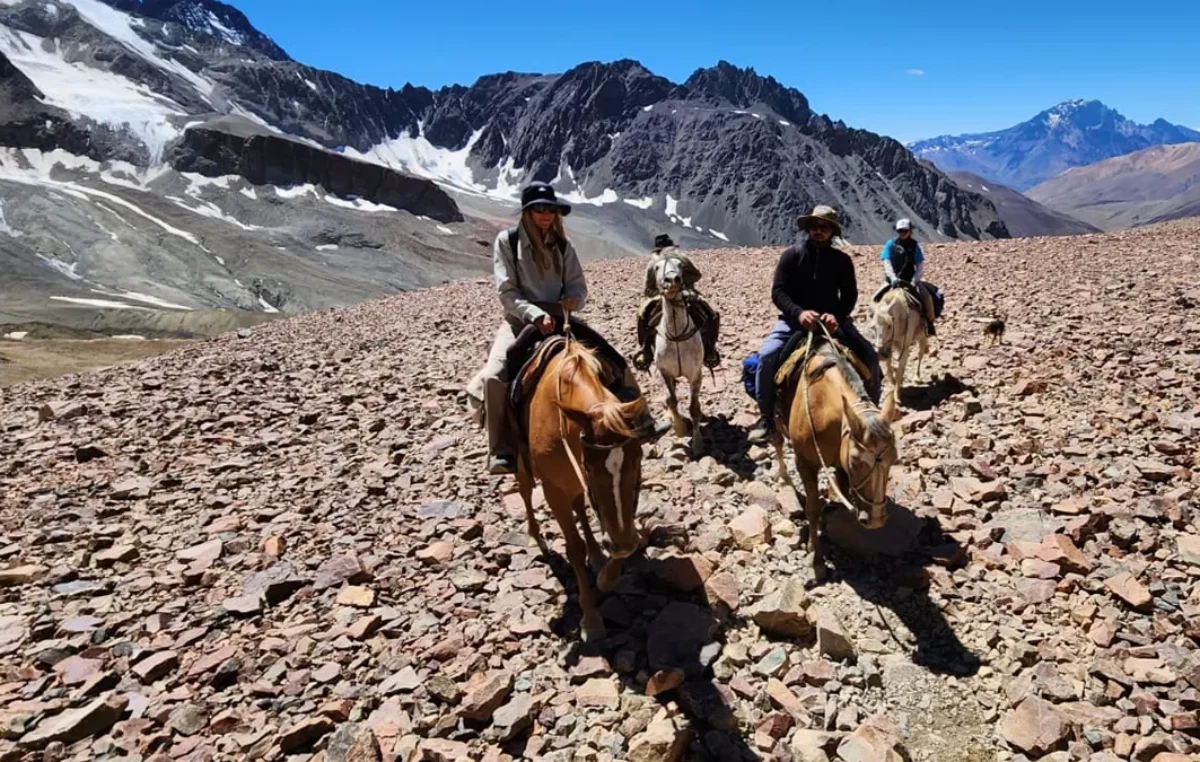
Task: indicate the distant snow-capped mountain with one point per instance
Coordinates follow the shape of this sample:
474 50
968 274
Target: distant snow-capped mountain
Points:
1072 134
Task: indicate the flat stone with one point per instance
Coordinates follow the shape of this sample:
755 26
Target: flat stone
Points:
784 612
354 595
205 553
404 681
304 733
832 640
436 554
21 575
599 692
275 584
188 719
1128 589
1187 546
513 718
340 570
661 741
243 605
722 590
1060 549
486 697
353 742
751 529
117 554
877 739
74 725
156 666
1035 727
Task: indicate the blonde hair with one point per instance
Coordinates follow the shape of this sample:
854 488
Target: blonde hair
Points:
545 245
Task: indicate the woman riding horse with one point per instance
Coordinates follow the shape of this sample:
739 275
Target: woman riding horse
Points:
538 276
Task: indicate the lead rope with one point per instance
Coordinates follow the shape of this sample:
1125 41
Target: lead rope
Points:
562 426
827 474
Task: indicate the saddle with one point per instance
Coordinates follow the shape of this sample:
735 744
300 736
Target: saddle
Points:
794 355
532 352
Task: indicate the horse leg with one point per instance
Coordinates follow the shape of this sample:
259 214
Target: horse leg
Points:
922 348
812 514
694 410
777 445
679 428
525 486
595 556
593 623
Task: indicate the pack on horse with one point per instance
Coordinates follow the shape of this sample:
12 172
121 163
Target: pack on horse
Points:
678 347
583 443
835 431
901 326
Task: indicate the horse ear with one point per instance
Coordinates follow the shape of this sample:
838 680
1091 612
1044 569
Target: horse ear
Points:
855 425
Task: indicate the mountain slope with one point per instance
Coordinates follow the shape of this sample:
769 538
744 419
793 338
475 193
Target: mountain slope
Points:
1072 134
1155 185
1024 217
150 93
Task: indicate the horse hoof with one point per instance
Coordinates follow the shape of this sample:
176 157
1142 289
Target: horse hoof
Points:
593 629
607 579
820 577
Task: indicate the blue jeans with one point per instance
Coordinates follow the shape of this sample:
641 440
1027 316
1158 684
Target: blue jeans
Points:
769 358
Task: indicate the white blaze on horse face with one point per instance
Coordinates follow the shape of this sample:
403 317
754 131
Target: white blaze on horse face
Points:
614 464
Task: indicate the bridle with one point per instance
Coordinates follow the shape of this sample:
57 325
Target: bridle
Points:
876 456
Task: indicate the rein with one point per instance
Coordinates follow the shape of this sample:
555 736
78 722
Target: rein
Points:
827 470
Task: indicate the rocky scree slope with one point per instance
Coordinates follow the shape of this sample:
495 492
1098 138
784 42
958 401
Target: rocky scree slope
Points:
1023 216
282 544
1072 134
1151 186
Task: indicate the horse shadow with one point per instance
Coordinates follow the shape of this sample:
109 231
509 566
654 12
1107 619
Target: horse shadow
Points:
728 445
661 629
934 394
901 583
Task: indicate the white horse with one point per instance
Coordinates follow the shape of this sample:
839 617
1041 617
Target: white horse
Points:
901 326
678 349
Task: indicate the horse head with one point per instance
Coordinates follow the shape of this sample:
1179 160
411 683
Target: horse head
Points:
867 454
668 275
613 433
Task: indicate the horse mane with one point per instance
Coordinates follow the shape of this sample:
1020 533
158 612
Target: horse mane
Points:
864 408
581 365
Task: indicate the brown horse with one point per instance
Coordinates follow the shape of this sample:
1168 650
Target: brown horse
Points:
585 445
833 424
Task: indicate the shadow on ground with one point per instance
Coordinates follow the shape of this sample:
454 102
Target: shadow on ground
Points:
654 629
933 394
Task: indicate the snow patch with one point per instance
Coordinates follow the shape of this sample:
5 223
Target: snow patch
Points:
359 204
609 196
296 191
61 267
266 306
985 188
719 234
417 156
84 91
134 296
105 303
444 230
647 108
5 227
231 36
328 247
129 337
785 123
640 203
16 335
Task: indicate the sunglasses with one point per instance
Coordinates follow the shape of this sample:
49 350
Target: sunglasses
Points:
822 226
543 208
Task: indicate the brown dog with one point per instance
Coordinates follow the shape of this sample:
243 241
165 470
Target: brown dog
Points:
995 331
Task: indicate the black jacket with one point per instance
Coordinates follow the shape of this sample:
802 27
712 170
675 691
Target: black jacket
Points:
817 279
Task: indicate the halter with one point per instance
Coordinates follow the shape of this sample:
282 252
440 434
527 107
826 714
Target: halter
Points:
826 469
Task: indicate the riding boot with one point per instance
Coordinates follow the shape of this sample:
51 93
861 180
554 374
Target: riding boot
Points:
710 327
927 310
646 335
502 457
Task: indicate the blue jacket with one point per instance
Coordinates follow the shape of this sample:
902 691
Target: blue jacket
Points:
901 262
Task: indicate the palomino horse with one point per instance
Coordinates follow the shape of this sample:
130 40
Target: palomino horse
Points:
571 418
833 425
679 349
901 326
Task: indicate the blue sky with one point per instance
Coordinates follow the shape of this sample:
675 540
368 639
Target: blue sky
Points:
902 69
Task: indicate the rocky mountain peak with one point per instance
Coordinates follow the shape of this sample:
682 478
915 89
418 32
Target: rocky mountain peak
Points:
745 88
209 17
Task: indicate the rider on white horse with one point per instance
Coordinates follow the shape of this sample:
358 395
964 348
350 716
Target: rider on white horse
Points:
706 318
903 265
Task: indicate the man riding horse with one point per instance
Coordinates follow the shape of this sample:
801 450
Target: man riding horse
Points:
814 285
704 316
903 265
538 279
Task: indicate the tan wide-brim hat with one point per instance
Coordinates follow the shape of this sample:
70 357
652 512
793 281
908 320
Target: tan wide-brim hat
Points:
824 214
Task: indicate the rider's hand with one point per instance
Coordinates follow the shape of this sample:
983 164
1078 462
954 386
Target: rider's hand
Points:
545 324
808 319
830 322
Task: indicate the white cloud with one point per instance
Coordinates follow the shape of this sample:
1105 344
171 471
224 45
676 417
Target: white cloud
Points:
915 72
